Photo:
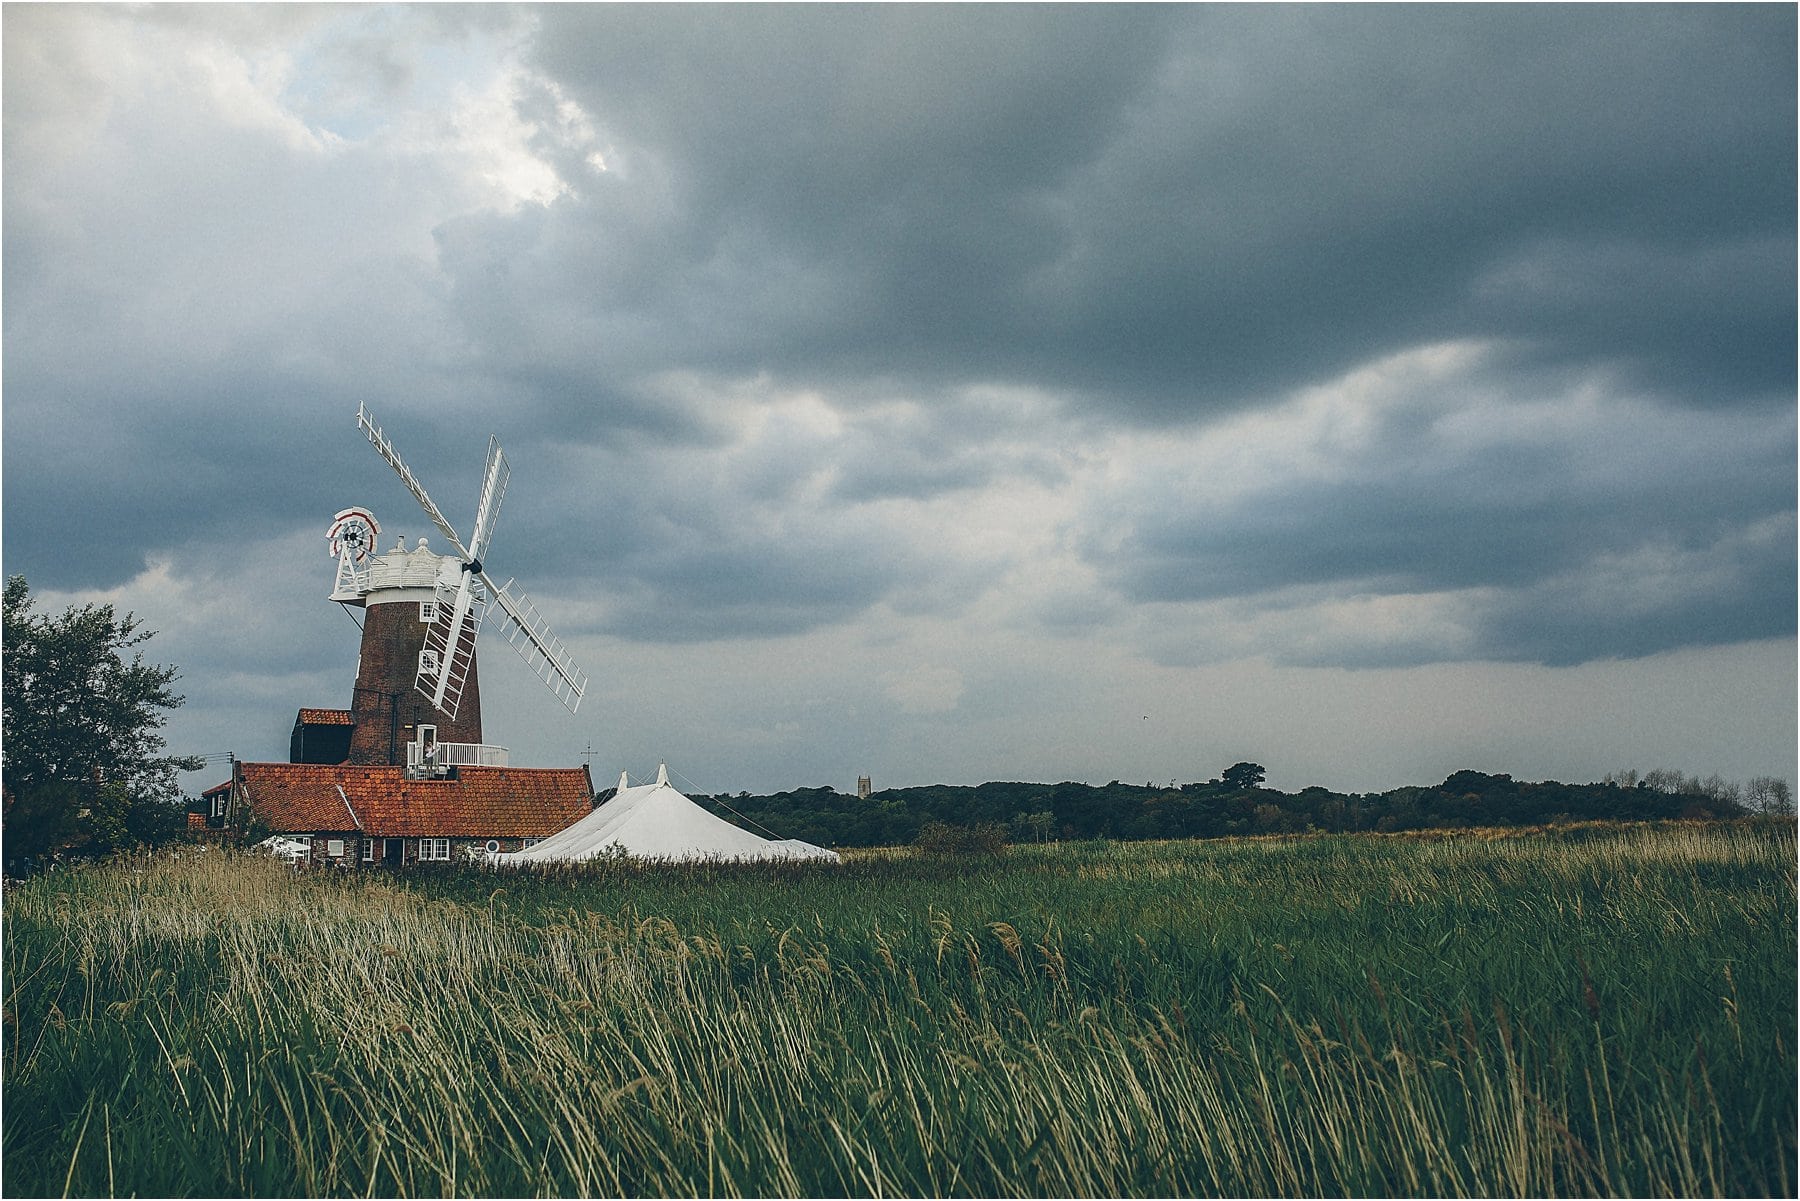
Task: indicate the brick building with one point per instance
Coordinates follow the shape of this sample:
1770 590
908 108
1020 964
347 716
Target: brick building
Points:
321 736
359 815
402 776
393 780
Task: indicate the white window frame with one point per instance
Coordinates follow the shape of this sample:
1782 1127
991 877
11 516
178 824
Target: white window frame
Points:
528 842
430 848
428 662
428 611
334 848
368 850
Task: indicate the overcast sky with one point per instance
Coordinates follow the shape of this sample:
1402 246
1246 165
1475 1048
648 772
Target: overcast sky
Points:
938 394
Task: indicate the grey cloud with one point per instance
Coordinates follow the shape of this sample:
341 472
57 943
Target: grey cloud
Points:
1179 211
1737 586
782 514
725 571
195 302
1634 529
702 592
1707 322
681 544
944 444
1150 215
828 287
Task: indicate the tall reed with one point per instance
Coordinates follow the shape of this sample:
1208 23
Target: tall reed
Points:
1604 1011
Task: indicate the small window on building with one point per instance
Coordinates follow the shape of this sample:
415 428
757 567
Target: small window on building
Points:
529 842
434 850
368 850
428 611
334 847
428 662
493 846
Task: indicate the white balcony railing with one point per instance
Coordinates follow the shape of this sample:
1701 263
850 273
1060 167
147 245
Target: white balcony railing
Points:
445 755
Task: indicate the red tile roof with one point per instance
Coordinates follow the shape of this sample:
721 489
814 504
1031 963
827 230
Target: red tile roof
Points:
326 717
480 802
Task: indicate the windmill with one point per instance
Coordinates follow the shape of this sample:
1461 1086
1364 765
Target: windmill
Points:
432 657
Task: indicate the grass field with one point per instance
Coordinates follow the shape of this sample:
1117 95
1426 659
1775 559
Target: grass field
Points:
1594 1011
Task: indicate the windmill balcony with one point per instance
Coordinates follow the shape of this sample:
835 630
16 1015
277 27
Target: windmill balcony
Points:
440 757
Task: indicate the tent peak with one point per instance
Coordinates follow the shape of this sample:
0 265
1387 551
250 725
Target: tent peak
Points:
662 775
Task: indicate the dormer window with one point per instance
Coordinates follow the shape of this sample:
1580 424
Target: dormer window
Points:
428 611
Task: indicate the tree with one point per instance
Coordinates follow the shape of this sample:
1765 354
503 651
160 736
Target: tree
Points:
1769 794
83 764
1241 776
1463 783
1726 792
1671 781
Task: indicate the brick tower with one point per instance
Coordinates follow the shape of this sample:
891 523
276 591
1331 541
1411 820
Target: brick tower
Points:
387 704
400 597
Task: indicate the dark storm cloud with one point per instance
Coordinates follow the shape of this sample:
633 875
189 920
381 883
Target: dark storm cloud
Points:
1146 218
879 170
1620 528
698 590
1502 518
1182 213
1737 587
1172 210
686 555
779 529
193 307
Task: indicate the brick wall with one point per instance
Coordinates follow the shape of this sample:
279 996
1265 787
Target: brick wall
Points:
386 704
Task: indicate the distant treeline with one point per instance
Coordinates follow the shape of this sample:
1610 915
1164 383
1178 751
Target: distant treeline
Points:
1234 805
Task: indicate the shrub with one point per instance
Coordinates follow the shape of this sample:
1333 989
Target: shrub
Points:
942 838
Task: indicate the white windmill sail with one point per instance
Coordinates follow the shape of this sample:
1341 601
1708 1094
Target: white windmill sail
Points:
463 598
525 631
461 605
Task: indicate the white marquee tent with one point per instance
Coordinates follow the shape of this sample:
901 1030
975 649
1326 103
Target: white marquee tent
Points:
654 821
